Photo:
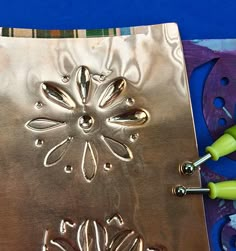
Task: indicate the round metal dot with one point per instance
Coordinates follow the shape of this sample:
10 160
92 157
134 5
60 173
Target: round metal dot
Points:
187 168
68 169
107 166
130 101
86 122
39 142
38 105
179 191
134 137
65 78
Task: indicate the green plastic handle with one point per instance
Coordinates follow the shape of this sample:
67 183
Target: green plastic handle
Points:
223 190
226 144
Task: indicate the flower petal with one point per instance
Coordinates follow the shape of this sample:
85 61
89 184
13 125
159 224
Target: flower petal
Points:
132 118
83 81
112 91
43 124
57 95
119 238
120 150
92 236
89 164
137 244
57 152
126 240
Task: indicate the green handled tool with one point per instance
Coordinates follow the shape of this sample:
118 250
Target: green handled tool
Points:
224 145
222 190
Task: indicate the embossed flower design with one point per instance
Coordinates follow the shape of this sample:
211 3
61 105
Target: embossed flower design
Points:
91 235
76 98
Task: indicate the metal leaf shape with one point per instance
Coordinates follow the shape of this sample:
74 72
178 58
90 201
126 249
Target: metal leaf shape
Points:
113 90
43 124
132 118
57 152
66 223
83 81
63 244
89 164
118 149
126 240
57 95
92 236
117 218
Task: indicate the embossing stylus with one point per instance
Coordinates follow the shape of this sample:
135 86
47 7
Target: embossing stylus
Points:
222 190
224 145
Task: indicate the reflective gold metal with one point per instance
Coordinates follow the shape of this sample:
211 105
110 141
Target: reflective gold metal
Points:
89 162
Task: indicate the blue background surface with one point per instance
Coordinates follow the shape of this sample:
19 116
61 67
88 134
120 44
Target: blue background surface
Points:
196 19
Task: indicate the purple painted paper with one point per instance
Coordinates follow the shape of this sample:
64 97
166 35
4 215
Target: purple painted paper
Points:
219 111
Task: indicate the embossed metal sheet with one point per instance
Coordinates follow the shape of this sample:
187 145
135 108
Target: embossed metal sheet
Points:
92 132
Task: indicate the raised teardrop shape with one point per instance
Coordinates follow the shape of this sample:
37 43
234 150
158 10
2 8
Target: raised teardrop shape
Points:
132 118
57 152
43 124
120 150
57 95
113 90
89 164
83 81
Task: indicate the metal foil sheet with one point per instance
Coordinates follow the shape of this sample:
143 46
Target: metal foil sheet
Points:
92 133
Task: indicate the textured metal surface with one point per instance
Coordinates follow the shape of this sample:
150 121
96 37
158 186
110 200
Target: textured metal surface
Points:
92 132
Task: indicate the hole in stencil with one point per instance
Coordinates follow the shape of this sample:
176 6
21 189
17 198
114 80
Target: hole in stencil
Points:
219 103
224 81
232 242
222 122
